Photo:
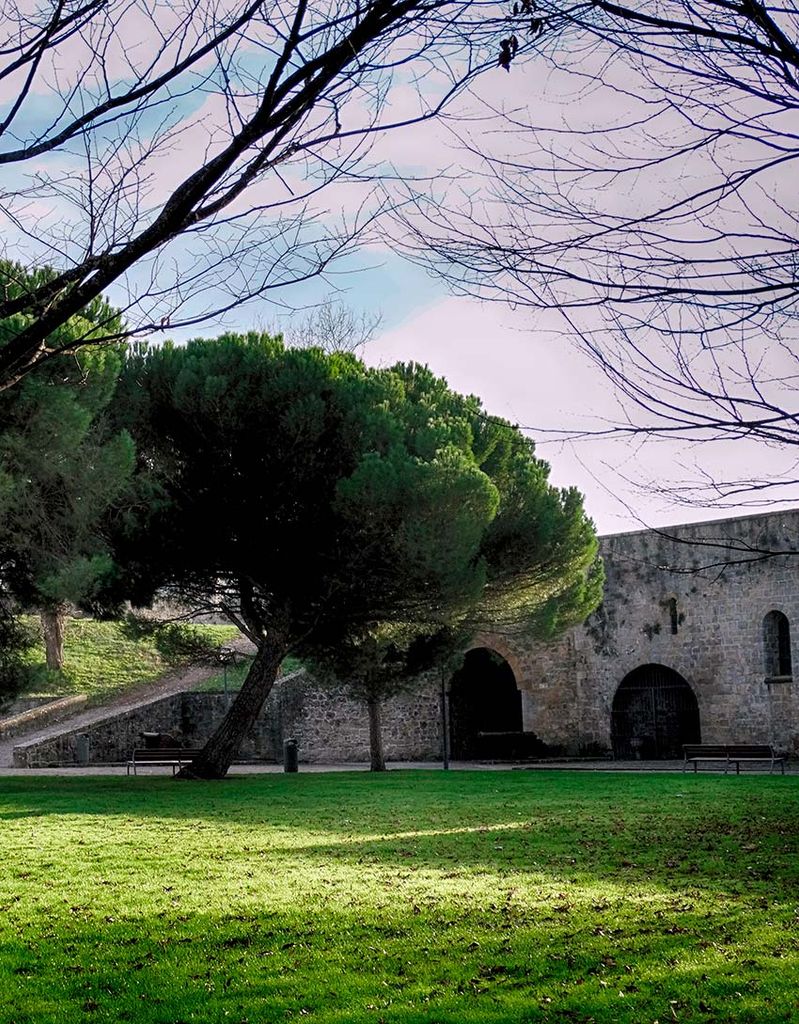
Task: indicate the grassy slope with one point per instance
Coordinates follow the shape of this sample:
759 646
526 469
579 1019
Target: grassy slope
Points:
236 674
412 897
101 660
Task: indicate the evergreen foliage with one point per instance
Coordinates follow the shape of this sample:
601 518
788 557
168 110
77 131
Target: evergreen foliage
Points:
60 471
15 638
537 557
311 498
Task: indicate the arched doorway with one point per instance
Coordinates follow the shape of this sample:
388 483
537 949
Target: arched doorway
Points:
485 708
654 713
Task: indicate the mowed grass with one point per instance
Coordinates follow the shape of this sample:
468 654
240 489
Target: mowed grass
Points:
405 898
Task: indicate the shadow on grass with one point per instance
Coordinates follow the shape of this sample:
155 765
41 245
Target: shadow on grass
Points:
405 964
674 833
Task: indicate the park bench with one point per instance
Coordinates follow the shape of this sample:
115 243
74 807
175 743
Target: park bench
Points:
172 757
732 753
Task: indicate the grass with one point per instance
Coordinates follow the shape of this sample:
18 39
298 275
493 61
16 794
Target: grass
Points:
408 898
102 660
237 673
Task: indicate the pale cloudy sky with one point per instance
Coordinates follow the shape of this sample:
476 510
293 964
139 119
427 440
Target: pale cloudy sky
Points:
526 370
523 368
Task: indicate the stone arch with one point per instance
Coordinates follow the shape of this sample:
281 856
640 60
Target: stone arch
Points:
655 711
777 646
485 706
500 646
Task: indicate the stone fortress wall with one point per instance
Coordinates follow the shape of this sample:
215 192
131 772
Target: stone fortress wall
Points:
693 599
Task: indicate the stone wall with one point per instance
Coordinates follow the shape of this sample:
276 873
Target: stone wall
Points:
692 599
110 740
328 727
712 635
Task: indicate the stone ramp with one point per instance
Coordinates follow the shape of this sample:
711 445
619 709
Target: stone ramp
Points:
43 715
131 700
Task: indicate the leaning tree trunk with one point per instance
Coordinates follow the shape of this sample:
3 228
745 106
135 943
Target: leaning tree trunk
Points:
377 758
220 751
54 620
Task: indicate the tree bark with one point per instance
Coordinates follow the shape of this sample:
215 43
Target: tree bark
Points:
220 751
377 758
54 620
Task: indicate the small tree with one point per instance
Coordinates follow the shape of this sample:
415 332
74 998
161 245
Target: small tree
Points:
538 555
383 662
59 471
307 497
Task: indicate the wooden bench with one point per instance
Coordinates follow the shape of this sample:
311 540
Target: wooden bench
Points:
732 753
171 757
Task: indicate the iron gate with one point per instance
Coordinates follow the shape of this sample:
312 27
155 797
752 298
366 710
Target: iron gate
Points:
654 713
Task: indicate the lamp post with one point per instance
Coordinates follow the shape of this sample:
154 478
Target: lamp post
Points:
444 721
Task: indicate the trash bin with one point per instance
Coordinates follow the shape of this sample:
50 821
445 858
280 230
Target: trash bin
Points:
290 758
82 748
152 740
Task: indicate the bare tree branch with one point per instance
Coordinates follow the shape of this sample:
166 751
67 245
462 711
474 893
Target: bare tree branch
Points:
203 144
657 214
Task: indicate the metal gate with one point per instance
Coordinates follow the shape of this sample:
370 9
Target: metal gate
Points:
654 713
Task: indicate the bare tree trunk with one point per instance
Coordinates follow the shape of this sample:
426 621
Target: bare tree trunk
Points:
377 758
221 749
54 620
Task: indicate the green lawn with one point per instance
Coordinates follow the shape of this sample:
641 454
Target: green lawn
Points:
102 659
237 673
410 897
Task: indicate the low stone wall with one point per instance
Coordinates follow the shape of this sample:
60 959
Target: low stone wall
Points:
41 715
17 705
328 727
110 739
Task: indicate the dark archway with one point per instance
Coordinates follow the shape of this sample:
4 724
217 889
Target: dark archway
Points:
654 713
485 708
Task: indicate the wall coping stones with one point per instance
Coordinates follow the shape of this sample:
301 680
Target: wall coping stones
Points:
45 714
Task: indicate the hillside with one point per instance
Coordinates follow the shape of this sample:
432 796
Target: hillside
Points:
104 658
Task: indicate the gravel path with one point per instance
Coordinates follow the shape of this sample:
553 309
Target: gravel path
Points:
258 769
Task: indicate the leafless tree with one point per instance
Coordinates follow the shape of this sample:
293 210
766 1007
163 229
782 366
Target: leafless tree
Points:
655 209
187 149
332 326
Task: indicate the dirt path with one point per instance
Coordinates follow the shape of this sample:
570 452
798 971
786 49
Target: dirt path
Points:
136 697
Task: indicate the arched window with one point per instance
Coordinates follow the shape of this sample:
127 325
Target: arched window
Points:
777 645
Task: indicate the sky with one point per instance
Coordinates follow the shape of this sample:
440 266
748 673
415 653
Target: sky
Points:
523 365
532 376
